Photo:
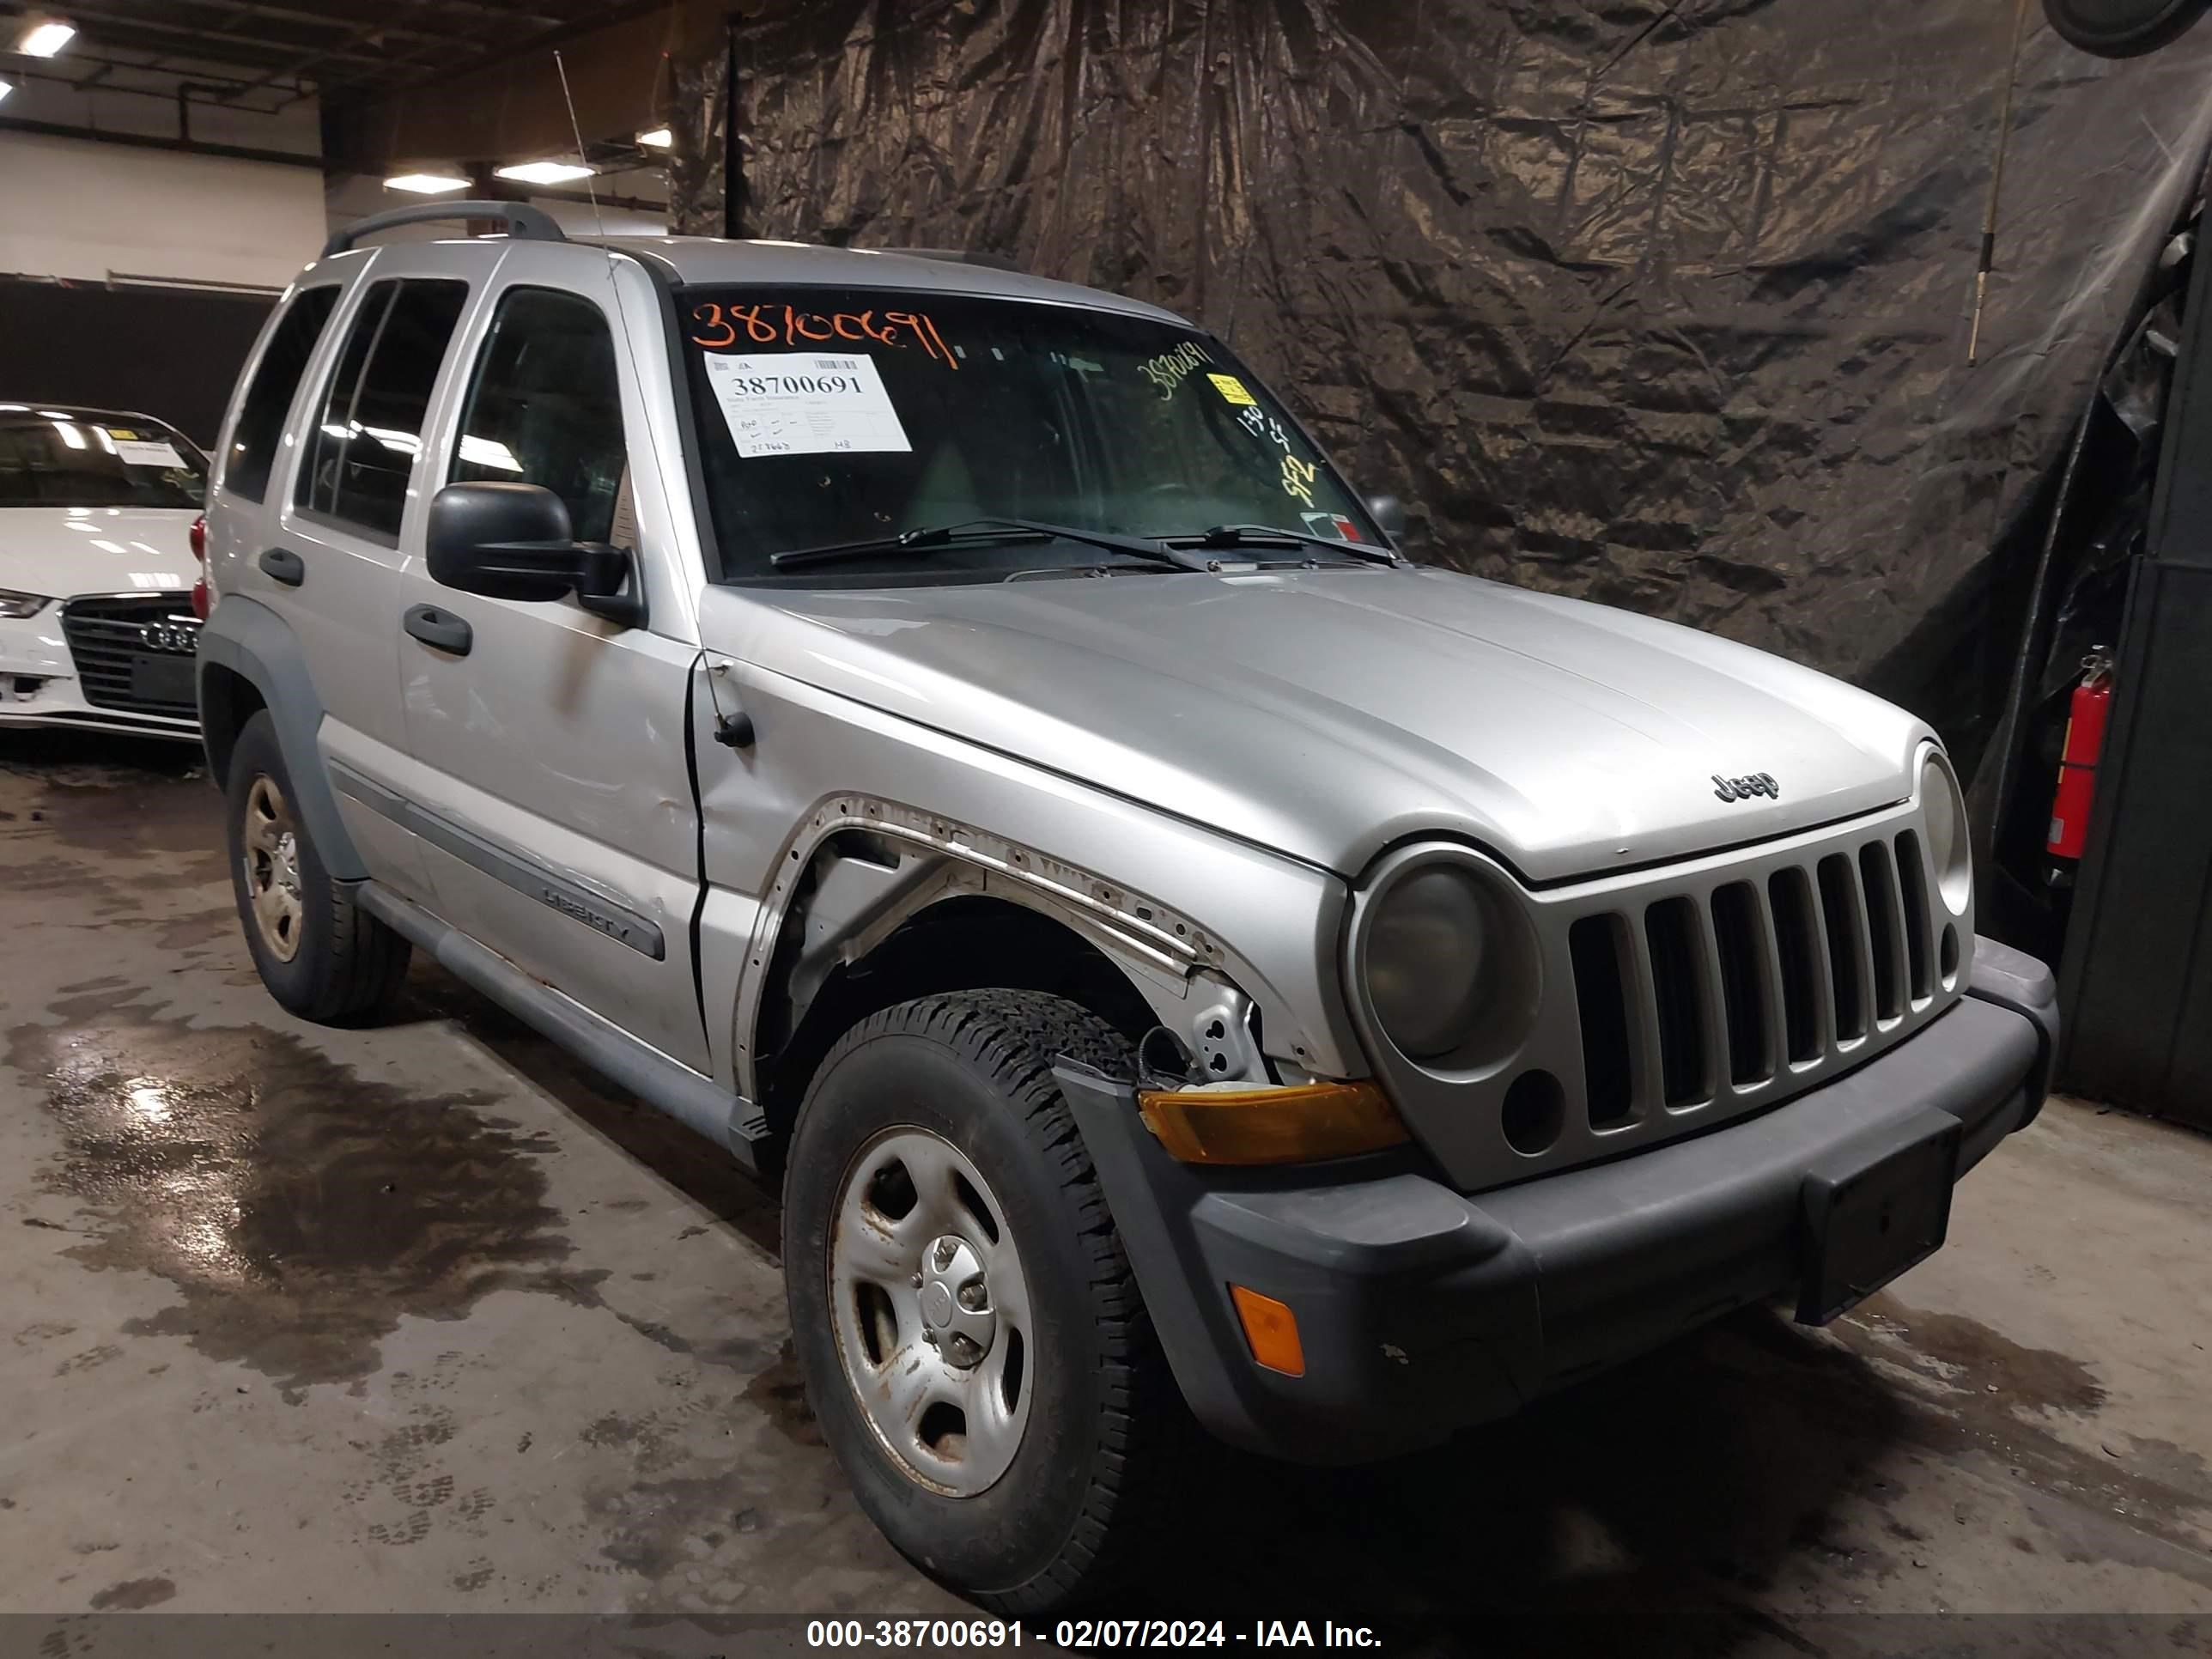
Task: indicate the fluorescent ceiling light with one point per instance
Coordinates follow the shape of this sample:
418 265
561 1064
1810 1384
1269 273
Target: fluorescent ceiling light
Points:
659 138
426 184
45 40
545 172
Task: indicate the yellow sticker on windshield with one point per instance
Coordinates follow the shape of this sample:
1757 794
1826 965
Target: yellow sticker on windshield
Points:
1231 388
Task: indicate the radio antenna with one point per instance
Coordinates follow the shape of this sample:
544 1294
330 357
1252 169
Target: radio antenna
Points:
576 128
1996 185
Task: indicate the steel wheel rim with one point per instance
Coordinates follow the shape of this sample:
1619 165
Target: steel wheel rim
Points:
272 860
930 1310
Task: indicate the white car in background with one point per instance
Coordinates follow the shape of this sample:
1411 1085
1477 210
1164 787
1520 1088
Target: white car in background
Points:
98 512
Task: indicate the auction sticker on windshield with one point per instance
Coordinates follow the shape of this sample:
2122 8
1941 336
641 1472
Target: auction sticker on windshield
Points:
798 402
133 450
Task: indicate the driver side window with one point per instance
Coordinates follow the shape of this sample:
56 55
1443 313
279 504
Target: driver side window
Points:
546 408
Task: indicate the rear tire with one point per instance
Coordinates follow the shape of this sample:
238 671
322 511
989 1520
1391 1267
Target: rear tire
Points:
319 954
1035 1501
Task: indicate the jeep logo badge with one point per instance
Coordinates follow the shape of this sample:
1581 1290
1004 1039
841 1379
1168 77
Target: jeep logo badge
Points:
1758 783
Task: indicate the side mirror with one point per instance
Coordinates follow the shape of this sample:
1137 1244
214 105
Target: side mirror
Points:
513 541
1388 512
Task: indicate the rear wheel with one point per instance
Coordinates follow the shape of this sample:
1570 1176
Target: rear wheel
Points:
318 953
972 1338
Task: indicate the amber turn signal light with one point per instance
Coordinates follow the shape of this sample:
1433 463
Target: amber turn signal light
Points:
1271 1126
1272 1331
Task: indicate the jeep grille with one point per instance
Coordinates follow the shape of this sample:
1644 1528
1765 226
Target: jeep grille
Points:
1687 997
1679 997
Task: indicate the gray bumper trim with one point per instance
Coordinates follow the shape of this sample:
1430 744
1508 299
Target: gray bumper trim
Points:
731 1122
1423 1310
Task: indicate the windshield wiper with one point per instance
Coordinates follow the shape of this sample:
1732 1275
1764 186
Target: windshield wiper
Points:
1267 535
973 530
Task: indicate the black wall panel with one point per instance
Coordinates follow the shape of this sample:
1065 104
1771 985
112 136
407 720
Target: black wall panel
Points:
171 353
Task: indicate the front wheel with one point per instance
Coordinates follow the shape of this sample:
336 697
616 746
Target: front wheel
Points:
972 1338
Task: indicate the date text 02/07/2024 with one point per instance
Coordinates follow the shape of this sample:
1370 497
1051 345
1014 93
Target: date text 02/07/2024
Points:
1087 1634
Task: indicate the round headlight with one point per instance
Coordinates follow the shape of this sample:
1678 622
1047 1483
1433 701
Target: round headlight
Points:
1944 811
1427 948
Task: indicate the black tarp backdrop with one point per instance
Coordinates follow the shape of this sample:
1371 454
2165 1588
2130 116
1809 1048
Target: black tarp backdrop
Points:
1662 306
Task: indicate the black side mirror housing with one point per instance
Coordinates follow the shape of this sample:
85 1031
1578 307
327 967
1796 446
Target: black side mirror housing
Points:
513 541
1388 512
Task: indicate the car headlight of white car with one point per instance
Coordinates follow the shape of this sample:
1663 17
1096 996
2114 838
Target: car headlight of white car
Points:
17 606
1943 808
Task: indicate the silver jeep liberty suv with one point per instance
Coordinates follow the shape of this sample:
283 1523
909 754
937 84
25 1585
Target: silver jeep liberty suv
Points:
953 740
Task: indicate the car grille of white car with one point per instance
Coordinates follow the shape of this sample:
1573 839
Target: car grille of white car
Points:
133 652
1751 981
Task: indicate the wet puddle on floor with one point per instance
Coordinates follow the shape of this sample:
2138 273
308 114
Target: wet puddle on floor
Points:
2009 1398
301 1210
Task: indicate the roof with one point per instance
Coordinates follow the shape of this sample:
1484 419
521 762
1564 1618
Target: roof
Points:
81 412
705 260
713 259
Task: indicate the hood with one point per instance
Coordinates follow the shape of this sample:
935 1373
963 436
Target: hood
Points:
1328 714
62 551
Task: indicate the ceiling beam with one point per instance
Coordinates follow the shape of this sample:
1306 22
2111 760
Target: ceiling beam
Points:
237 10
153 141
125 23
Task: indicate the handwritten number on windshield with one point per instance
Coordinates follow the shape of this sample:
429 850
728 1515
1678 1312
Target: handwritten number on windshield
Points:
772 324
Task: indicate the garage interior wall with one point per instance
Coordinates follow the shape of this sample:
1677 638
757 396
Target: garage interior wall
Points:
1663 308
134 274
87 209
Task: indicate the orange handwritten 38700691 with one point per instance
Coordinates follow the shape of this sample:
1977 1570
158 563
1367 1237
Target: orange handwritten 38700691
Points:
722 326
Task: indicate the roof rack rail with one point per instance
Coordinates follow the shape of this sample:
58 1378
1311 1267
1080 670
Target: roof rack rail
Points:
958 256
523 222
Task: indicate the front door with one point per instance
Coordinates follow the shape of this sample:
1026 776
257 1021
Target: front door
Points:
553 789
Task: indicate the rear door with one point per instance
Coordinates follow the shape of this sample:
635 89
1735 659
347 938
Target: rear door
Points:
561 828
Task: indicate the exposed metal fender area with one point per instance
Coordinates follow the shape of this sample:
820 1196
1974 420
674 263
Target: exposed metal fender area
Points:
731 1122
255 643
868 867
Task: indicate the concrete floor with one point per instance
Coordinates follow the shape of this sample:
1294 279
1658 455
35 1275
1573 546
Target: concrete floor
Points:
423 1318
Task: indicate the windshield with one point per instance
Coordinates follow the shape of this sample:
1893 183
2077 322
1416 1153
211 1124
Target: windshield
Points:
59 458
833 415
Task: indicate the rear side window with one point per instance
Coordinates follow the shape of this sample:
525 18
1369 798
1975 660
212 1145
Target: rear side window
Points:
546 407
261 420
369 431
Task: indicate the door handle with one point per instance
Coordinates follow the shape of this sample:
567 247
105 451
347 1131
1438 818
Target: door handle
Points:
285 566
440 630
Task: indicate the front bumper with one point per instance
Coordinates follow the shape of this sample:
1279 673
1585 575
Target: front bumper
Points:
1423 1311
39 686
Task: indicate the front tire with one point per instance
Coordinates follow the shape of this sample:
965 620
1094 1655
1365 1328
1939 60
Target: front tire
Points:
319 954
972 1338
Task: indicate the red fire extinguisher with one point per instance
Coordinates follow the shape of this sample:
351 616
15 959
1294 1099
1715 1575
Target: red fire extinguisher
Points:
2077 764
